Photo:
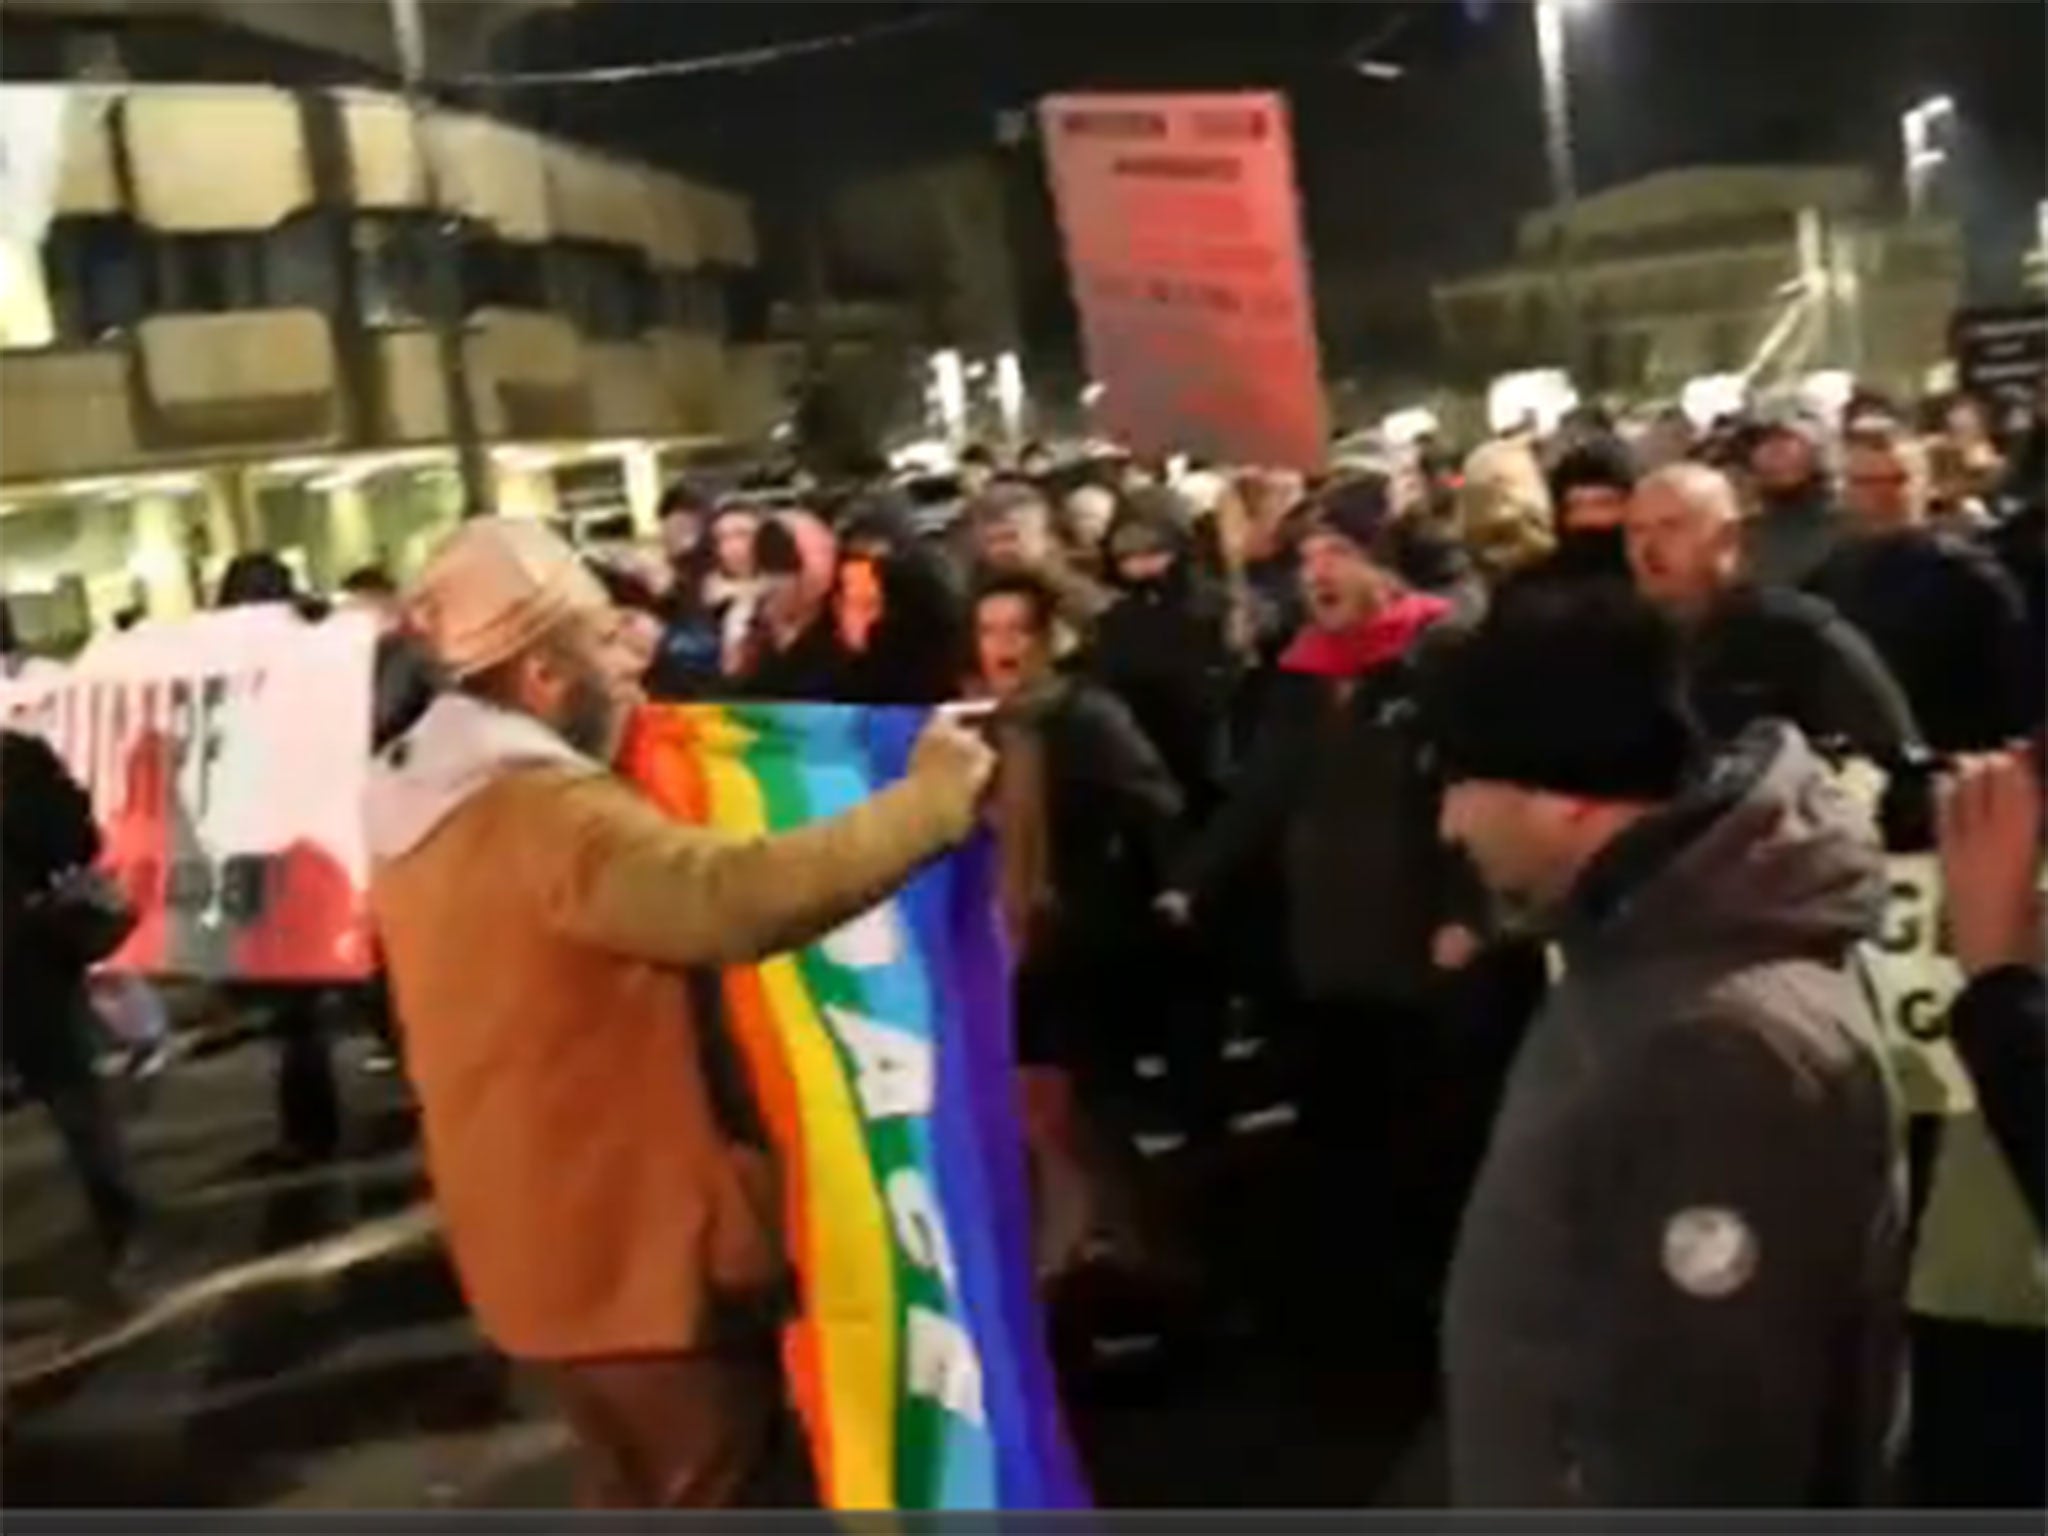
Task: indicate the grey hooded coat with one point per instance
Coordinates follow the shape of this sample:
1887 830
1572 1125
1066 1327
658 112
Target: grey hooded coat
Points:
1679 1280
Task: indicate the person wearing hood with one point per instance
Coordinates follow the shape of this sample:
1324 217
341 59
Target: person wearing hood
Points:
1939 610
586 1133
1798 522
731 590
1590 488
1338 786
790 651
1680 1277
689 651
1752 652
898 627
1163 645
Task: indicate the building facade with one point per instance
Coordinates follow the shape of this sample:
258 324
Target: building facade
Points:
1772 270
227 339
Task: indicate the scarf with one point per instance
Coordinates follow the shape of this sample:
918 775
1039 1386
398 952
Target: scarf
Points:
1353 652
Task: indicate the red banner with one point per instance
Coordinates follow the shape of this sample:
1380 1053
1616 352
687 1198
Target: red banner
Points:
1184 246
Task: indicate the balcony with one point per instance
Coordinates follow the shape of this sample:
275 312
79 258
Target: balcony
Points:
527 370
68 412
254 376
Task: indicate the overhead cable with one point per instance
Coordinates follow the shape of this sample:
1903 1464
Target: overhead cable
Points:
670 69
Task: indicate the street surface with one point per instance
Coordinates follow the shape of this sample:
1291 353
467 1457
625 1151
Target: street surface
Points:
296 1340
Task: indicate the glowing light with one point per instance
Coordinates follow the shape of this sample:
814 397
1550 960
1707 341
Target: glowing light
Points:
1711 396
1405 426
1538 395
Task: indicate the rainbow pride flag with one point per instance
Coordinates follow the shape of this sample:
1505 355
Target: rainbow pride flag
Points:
881 1059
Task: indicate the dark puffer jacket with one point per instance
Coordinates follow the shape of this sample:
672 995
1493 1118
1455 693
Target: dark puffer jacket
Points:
1765 652
1948 623
1680 1278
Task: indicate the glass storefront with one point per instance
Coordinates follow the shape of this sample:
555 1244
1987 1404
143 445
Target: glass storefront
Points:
74 560
76 557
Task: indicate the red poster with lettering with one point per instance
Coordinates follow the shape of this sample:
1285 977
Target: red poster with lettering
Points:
1184 248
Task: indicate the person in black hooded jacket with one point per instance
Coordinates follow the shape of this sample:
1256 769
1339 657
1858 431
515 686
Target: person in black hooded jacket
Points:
1163 646
1590 489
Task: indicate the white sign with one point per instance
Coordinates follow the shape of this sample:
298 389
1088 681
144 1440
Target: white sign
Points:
227 757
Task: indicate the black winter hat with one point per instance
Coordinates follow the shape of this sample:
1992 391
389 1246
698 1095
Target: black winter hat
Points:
1573 687
1356 508
1600 461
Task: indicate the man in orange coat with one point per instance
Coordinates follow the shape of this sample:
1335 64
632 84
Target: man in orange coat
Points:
538 914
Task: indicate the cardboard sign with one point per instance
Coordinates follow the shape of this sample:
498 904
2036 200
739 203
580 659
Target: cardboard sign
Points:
2002 355
227 757
1183 238
1978 1257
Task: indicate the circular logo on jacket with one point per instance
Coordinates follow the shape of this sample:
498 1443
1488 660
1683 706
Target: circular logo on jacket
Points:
1709 1251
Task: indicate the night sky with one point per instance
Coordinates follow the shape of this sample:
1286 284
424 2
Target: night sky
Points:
1402 181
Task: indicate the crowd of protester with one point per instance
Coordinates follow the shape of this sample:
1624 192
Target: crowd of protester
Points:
1315 745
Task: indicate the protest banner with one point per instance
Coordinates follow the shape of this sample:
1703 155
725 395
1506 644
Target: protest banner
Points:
1183 241
1977 1257
881 1061
226 756
2001 356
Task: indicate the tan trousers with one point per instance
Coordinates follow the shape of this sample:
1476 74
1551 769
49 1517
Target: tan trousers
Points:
681 1432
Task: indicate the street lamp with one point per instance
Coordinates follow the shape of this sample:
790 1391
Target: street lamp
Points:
1557 135
1922 155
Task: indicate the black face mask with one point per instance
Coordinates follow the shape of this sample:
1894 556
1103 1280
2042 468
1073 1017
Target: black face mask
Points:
1594 551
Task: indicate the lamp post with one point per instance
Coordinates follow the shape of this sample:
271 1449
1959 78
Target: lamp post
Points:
1557 137
448 319
1922 155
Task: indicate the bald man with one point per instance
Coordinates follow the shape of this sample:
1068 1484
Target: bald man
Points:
1755 652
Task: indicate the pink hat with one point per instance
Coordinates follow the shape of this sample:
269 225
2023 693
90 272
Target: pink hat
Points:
493 588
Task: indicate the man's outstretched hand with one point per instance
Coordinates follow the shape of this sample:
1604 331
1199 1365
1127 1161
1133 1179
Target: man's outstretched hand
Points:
1988 831
953 753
